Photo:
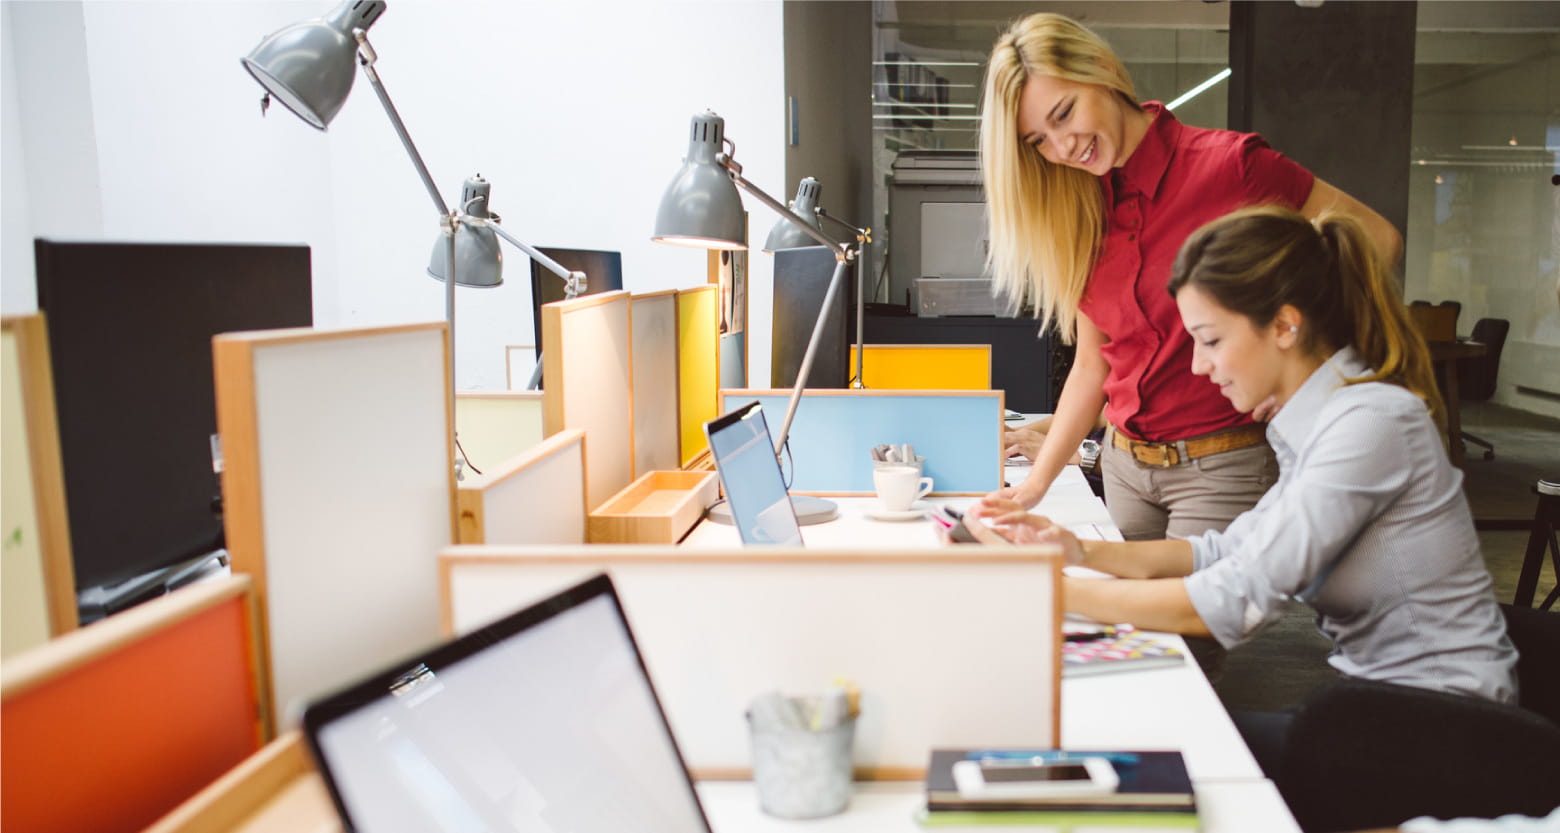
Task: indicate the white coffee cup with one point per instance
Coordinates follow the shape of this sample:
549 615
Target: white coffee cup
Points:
899 486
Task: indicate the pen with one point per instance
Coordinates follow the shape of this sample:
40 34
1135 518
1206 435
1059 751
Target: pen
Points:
1019 757
1088 636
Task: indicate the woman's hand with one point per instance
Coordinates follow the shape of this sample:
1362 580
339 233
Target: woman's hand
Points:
1025 442
1012 523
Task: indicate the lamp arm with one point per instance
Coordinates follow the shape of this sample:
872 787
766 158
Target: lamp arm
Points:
367 57
841 253
863 235
812 347
574 282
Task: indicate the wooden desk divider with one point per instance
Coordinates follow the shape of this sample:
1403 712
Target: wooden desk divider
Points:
656 439
958 432
698 366
925 366
494 426
535 498
275 790
37 581
338 486
950 647
588 372
112 725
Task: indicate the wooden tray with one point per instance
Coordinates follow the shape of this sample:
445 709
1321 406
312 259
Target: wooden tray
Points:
658 508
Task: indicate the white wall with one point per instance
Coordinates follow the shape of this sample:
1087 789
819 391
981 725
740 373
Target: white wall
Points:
576 112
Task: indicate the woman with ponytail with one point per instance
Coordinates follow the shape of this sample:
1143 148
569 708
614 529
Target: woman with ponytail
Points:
1367 523
1089 195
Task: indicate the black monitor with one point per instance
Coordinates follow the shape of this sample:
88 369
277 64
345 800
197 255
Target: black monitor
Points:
130 327
603 273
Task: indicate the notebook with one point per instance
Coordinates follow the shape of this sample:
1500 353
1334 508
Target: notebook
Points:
750 476
542 721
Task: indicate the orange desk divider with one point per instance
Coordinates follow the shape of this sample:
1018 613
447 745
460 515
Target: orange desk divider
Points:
109 727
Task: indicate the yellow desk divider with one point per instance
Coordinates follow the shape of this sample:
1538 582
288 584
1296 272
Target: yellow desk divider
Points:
275 790
698 366
494 426
950 647
959 432
587 385
338 488
654 322
925 366
535 498
37 582
110 726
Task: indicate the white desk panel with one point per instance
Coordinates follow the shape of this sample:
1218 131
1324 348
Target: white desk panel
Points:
889 807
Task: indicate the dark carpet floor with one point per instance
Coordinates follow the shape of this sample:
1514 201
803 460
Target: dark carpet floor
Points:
1277 668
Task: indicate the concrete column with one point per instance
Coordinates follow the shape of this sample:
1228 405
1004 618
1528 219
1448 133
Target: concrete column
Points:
1331 87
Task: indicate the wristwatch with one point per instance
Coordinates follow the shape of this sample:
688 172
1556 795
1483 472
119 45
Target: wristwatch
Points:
1089 452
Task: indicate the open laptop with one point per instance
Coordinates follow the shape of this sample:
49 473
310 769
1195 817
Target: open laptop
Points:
545 720
750 475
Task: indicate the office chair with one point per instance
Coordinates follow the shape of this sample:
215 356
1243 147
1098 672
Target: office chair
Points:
1363 754
1476 377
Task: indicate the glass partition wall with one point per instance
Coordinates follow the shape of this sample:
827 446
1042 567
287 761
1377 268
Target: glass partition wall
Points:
1482 228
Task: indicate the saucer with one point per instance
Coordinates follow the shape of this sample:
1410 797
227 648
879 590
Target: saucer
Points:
916 510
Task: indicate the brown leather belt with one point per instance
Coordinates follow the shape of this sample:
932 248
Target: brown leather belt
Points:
1175 453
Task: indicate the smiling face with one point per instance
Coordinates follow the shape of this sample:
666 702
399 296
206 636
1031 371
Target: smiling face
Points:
1084 126
1247 362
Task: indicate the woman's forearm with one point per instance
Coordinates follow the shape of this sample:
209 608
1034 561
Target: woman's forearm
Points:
1139 559
1077 411
1154 604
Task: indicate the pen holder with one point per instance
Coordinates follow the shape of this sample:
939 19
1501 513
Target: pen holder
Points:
803 773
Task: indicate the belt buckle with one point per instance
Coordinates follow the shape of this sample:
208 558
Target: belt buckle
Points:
1145 454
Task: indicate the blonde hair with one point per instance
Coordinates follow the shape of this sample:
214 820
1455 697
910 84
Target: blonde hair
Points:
1256 260
1046 221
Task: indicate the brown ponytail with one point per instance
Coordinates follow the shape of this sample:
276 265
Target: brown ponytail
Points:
1255 261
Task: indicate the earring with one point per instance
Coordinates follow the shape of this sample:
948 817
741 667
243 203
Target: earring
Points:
1294 329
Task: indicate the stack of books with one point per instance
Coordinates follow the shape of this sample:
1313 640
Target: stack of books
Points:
1154 793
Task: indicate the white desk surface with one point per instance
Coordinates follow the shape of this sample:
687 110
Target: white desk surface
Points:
1162 708
1240 806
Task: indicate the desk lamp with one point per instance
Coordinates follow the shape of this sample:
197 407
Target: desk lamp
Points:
785 235
479 260
701 208
308 67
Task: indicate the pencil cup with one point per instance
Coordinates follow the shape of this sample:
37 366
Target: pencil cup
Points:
919 465
802 773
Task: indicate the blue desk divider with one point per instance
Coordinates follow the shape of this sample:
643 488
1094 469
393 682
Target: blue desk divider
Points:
958 432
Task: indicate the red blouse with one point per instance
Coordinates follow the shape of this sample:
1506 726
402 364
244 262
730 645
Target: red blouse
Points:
1178 179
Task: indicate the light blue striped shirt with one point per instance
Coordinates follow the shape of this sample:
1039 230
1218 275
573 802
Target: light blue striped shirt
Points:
1369 526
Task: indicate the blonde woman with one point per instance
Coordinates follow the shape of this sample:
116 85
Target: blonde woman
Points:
1089 196
1367 524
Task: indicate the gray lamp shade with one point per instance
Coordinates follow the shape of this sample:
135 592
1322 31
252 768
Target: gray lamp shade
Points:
786 234
702 207
309 66
478 260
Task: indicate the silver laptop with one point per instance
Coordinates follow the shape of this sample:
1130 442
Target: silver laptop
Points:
543 721
750 475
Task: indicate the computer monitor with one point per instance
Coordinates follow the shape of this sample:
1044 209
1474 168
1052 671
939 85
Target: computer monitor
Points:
545 720
750 475
603 273
130 327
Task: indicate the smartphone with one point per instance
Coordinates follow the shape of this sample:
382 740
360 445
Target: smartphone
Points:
1005 779
952 522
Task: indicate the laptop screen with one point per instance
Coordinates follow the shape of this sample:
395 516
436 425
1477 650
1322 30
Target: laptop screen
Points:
543 721
750 474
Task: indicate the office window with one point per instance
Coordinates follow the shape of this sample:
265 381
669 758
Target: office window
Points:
1482 209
